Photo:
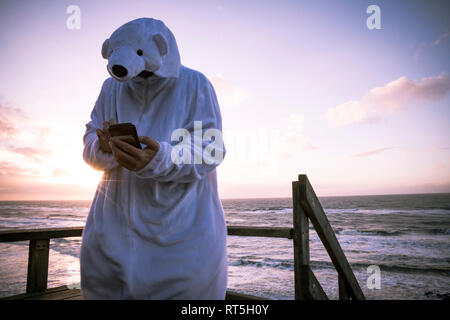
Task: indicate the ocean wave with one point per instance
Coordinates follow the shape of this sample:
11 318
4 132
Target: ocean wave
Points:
388 211
368 233
266 262
269 210
388 267
390 233
439 231
408 269
289 265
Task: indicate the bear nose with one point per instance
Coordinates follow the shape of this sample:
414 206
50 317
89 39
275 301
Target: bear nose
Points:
119 71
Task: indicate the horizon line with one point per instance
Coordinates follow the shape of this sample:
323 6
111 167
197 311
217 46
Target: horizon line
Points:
250 198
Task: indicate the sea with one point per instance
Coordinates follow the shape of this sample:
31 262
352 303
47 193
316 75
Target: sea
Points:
398 245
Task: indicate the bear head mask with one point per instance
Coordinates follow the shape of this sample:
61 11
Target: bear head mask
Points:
141 45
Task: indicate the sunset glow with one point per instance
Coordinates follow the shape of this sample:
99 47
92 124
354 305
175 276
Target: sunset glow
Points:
304 87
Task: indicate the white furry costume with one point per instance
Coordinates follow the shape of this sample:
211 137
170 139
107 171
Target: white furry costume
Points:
158 233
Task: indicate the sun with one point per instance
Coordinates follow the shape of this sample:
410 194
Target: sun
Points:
86 177
70 169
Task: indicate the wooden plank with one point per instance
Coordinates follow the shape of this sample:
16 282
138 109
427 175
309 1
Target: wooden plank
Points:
278 232
37 265
301 247
56 293
60 295
232 295
37 234
343 295
315 288
75 294
64 293
79 297
312 207
23 296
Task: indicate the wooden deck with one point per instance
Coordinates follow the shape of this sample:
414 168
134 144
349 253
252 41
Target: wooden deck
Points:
58 293
65 293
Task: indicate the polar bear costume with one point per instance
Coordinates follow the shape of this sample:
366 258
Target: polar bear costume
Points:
156 233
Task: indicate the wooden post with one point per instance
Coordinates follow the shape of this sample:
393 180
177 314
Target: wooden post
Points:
343 294
38 265
312 207
301 248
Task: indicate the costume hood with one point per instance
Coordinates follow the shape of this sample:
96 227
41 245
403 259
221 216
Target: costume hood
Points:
143 44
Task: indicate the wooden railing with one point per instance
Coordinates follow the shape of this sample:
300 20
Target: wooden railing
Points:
306 206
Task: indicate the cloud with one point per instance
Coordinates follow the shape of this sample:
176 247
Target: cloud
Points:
382 101
419 51
423 45
293 139
19 129
7 168
31 152
370 152
297 141
8 118
31 188
440 39
228 94
59 172
295 120
19 134
6 129
11 170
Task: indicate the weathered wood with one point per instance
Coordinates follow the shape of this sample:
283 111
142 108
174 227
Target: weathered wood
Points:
37 234
60 295
312 207
64 293
27 296
56 293
38 265
277 232
343 295
315 289
301 247
79 297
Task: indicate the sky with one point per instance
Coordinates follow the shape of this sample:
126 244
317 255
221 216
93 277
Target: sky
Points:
304 87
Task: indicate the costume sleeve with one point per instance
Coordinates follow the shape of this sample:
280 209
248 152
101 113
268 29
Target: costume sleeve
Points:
92 153
203 137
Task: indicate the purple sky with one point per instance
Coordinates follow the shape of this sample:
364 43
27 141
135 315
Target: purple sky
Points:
304 87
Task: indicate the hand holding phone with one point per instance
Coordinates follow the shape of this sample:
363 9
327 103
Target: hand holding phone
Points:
126 146
103 135
125 132
132 158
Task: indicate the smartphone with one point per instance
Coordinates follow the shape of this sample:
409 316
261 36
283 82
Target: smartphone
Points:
127 132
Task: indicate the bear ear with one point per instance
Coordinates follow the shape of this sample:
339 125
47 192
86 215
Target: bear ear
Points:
105 49
161 43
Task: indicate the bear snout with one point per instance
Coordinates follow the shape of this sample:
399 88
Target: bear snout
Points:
124 63
119 71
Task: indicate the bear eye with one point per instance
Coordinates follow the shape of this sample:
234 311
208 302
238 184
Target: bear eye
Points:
139 52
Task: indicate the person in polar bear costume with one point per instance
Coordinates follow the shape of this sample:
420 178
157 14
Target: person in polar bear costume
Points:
156 228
